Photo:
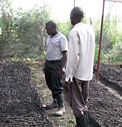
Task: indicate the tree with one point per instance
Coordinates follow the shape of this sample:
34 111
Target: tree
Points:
23 30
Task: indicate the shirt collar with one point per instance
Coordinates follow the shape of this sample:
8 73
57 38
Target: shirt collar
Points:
78 24
55 35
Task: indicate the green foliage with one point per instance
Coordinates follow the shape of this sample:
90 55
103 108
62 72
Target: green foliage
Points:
111 40
96 54
43 55
23 32
64 27
16 58
72 121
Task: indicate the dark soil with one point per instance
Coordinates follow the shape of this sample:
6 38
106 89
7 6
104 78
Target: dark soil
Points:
104 107
111 76
21 103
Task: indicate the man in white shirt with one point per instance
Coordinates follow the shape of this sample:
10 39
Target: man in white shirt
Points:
79 67
0 31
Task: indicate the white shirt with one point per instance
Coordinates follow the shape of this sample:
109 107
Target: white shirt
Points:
0 31
80 59
55 46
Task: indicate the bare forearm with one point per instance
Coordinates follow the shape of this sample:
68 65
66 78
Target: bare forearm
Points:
64 59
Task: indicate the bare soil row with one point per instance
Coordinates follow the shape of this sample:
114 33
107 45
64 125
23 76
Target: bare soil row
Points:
104 107
21 103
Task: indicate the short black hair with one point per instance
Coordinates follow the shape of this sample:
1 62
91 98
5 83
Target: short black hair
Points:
51 24
77 12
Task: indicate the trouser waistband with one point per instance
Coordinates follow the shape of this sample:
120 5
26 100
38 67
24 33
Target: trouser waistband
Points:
53 61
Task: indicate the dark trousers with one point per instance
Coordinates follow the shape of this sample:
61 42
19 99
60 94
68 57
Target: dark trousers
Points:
79 96
53 77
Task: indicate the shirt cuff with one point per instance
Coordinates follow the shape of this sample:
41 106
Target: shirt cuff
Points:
68 79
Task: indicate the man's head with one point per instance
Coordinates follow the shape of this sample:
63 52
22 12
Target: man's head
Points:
76 15
51 28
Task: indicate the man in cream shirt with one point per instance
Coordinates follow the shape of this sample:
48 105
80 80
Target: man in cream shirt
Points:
79 69
0 31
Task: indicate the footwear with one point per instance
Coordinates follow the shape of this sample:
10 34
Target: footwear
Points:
83 120
60 111
60 100
80 121
52 106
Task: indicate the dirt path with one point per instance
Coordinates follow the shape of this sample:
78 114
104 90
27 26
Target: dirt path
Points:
67 120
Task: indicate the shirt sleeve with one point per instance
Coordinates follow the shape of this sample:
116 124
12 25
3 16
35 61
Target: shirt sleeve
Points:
63 43
73 56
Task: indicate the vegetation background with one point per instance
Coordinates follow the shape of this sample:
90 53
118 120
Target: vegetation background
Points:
24 35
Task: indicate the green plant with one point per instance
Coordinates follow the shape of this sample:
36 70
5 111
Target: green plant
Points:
23 30
44 96
72 121
111 41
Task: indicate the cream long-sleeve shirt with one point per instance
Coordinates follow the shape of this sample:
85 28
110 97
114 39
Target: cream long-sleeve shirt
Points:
80 59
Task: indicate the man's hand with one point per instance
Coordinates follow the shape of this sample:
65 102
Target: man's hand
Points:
63 70
67 86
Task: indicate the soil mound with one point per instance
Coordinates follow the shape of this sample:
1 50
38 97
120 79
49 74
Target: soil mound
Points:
20 105
104 108
111 75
